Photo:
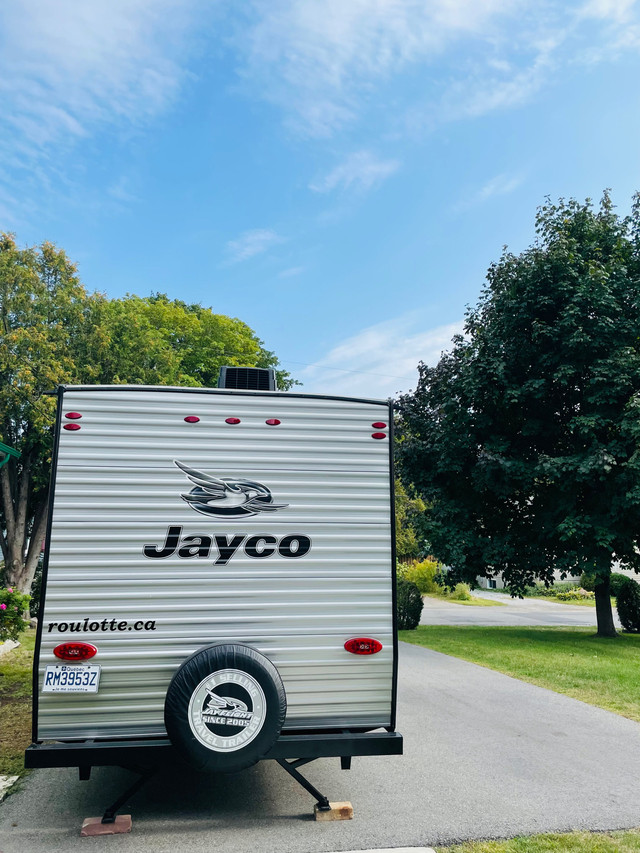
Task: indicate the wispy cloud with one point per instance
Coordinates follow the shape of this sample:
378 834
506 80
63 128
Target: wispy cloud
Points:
619 11
488 90
251 243
291 272
379 361
325 63
319 59
498 186
69 69
121 191
361 170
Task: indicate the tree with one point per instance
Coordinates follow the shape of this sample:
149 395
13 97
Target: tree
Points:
524 438
52 331
409 523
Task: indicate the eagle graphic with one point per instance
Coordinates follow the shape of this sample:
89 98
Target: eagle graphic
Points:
223 703
226 498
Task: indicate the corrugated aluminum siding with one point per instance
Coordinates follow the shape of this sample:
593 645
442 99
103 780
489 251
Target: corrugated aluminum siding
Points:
118 489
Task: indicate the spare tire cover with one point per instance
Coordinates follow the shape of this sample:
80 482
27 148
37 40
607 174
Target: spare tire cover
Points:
225 707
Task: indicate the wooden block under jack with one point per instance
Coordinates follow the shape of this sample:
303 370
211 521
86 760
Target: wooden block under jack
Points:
94 825
338 811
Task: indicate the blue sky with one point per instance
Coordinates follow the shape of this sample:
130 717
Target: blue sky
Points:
339 174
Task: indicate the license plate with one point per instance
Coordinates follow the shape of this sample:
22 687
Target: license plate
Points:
63 678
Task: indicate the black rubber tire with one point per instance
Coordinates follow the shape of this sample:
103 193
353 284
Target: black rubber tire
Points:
258 689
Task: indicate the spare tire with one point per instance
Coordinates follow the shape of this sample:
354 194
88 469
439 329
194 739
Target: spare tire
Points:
225 708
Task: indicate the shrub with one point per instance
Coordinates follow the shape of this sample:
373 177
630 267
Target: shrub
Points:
617 582
628 605
423 575
410 604
440 578
578 594
461 592
12 607
540 589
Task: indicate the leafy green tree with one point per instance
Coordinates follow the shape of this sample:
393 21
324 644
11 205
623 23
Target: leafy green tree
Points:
52 331
156 340
46 335
409 524
525 437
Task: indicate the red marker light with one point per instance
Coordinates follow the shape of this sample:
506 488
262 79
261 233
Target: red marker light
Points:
192 419
378 435
379 425
71 426
272 422
73 416
232 420
363 646
75 651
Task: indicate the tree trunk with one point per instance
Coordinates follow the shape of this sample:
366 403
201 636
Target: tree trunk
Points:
604 613
23 533
21 568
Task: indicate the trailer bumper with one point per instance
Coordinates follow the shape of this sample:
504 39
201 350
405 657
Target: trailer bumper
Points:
154 752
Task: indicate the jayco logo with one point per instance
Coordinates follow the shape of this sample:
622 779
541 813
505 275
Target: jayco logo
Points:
226 546
228 499
225 498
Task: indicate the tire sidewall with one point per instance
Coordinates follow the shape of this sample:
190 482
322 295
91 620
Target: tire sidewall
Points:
231 739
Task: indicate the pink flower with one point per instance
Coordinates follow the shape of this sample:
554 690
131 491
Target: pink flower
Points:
3 606
10 589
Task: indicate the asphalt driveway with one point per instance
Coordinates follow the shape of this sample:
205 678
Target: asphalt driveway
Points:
486 756
515 611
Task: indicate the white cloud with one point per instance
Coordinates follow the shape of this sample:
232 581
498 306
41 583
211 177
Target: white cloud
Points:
325 62
361 170
252 243
613 10
121 190
291 272
499 185
66 65
319 59
379 361
71 69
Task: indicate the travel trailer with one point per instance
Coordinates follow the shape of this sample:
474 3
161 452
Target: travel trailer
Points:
219 580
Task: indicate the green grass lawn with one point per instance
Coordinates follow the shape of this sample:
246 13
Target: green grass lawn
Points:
15 705
602 672
474 602
573 842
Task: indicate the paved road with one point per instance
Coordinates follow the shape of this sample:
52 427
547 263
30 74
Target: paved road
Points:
516 611
486 756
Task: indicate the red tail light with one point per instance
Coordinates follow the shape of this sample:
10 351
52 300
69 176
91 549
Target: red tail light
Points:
73 416
379 425
192 419
272 422
71 426
363 646
378 435
232 420
75 651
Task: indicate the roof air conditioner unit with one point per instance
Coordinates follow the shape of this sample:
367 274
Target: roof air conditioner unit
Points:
248 378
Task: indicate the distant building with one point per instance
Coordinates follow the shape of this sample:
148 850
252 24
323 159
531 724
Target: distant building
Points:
497 582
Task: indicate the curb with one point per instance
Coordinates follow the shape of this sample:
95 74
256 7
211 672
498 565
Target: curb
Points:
6 783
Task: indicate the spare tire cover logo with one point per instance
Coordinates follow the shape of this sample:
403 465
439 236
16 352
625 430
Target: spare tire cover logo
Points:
227 710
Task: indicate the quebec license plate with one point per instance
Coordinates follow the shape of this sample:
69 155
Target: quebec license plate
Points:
64 678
